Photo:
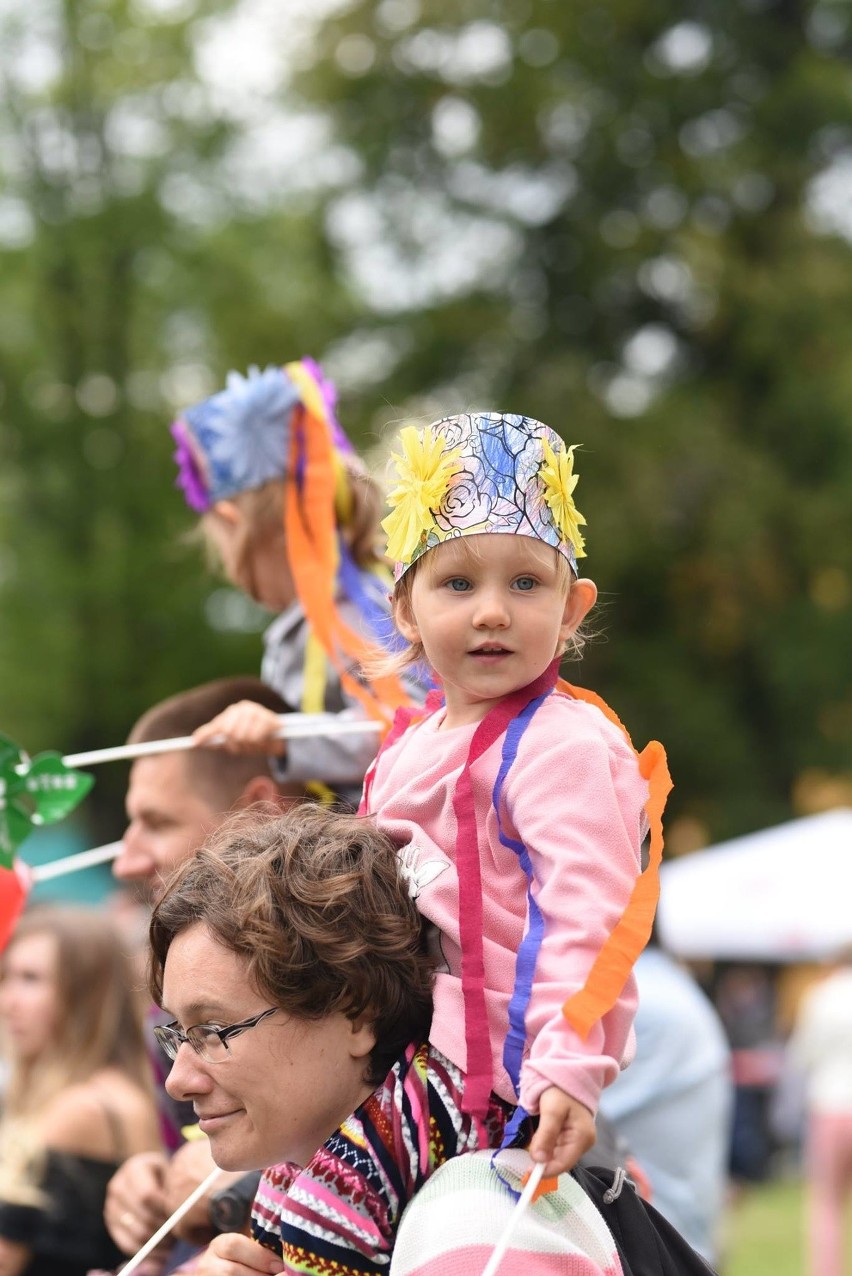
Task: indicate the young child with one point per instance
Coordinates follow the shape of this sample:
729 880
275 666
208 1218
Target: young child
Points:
292 514
519 808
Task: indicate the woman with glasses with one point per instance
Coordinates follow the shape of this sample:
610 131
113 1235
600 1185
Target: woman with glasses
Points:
289 955
78 1098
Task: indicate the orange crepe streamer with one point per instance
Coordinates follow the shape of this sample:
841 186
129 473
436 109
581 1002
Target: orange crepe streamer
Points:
545 1186
613 964
311 533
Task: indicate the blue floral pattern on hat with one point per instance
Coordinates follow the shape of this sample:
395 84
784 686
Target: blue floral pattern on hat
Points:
242 434
482 472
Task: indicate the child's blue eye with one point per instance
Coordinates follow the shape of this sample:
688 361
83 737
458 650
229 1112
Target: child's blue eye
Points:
525 583
458 584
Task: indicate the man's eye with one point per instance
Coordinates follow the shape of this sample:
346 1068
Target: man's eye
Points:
157 823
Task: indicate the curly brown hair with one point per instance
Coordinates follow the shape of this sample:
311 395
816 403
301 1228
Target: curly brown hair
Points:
314 904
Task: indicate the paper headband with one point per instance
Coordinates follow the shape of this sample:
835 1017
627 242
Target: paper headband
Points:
482 472
240 438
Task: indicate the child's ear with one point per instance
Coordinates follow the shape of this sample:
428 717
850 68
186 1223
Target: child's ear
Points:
403 617
580 601
228 511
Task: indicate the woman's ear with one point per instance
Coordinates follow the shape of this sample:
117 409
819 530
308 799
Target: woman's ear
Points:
363 1037
580 601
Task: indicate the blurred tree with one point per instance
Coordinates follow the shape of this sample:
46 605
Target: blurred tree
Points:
616 215
134 270
621 217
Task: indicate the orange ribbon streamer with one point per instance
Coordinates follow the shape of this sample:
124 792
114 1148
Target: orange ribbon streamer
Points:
311 531
613 964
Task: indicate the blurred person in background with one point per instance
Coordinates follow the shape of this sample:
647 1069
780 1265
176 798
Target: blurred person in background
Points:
745 997
291 514
174 800
820 1047
79 1097
674 1104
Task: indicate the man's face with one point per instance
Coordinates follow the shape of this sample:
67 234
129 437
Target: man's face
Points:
168 821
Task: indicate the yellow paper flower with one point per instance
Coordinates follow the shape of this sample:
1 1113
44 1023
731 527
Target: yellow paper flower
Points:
559 480
424 470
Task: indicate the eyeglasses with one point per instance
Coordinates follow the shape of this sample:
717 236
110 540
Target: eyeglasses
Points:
206 1039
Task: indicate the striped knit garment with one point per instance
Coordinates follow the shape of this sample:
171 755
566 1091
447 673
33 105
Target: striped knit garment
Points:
340 1214
456 1222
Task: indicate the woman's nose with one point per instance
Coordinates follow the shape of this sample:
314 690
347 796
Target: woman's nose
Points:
187 1076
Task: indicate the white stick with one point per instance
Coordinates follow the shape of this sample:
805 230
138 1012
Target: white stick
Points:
294 726
74 863
182 1209
517 1214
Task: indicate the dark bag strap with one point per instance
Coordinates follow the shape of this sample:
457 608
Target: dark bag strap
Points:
648 1244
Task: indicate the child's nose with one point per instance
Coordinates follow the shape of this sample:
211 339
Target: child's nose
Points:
491 611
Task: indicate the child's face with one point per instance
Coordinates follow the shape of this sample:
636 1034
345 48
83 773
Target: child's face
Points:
253 561
491 611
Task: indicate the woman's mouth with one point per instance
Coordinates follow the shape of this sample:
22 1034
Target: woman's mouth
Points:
210 1124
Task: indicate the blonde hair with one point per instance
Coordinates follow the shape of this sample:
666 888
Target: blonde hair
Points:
98 1026
413 654
263 521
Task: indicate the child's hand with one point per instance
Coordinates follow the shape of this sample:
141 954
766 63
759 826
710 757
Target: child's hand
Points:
566 1129
244 727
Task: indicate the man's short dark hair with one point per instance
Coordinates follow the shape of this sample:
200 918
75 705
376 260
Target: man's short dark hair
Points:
219 776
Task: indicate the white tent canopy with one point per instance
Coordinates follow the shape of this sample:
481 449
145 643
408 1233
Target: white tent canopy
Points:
784 894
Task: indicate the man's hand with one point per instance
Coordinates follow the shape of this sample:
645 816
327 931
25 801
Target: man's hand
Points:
190 1166
135 1200
234 1255
244 727
566 1129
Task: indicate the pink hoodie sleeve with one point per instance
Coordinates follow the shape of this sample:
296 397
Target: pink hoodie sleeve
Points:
576 799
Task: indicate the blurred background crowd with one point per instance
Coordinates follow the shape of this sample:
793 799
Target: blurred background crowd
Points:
633 221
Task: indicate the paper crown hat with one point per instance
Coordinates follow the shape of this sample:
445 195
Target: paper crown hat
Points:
240 438
482 472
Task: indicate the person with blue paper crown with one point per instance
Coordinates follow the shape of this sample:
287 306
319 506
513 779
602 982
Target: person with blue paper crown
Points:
518 804
292 514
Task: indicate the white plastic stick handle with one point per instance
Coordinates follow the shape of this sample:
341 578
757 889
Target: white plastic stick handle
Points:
183 1208
294 726
517 1214
74 863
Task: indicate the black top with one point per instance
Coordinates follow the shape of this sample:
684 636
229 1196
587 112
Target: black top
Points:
67 1236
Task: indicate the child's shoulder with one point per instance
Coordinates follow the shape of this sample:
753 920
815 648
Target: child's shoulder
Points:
568 721
574 710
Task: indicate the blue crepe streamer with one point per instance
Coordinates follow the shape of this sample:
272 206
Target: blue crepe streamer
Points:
369 595
528 951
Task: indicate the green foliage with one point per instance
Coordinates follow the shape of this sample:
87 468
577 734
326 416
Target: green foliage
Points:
599 213
666 299
136 278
